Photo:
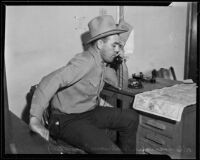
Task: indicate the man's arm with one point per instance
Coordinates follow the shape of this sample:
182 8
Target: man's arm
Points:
49 85
122 70
117 76
110 77
122 75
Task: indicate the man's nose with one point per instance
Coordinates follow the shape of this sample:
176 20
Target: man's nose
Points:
117 49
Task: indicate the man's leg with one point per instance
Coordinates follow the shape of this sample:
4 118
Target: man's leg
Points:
78 131
124 121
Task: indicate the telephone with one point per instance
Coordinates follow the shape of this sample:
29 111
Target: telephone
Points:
116 62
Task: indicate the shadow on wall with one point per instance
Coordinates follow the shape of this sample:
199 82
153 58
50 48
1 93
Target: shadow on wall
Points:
26 112
84 38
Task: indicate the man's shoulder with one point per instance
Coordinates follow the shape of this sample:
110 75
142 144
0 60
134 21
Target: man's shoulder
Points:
84 57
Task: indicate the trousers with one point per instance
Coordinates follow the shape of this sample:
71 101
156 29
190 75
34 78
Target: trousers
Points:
86 130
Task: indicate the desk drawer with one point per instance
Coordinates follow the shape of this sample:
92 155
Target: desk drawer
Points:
145 148
159 126
159 141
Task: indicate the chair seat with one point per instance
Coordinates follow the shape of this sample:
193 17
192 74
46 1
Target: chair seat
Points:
61 147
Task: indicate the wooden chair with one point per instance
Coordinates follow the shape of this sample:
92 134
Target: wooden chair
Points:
165 73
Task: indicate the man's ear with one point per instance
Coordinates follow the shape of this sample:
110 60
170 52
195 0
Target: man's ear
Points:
100 44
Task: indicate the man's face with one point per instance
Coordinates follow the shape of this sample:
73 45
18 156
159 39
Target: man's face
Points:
110 48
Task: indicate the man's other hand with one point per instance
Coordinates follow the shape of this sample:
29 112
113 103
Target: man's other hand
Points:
36 126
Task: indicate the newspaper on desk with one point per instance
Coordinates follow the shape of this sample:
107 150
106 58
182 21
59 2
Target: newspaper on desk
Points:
168 102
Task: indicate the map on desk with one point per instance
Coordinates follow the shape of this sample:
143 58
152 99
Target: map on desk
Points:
168 102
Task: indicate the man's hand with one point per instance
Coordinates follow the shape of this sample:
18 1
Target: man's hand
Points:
121 52
36 126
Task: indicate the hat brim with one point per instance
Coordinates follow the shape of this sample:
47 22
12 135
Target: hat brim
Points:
115 31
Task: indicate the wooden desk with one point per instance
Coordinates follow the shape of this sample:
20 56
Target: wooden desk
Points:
158 135
124 98
23 141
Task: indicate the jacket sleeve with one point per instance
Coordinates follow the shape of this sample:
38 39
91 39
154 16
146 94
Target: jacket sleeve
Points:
122 75
118 77
110 76
63 77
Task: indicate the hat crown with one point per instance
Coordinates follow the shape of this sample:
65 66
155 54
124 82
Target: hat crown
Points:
101 24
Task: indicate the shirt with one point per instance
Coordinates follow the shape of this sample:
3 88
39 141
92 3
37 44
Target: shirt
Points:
73 88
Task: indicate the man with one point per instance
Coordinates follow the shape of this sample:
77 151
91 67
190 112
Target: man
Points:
73 92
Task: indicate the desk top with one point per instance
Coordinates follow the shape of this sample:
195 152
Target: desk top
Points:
160 83
23 141
168 102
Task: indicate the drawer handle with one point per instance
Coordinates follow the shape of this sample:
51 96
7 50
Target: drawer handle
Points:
151 151
155 139
155 124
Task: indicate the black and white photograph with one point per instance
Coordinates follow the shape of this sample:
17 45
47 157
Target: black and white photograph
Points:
101 79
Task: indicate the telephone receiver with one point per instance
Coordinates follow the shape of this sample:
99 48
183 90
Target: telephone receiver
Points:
117 60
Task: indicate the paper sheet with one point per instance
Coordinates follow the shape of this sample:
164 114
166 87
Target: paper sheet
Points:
168 102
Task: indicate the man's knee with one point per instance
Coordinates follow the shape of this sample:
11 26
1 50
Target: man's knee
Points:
132 117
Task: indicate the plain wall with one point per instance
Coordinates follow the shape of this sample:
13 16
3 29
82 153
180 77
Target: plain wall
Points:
159 38
40 39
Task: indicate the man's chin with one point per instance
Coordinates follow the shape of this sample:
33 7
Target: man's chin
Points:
109 62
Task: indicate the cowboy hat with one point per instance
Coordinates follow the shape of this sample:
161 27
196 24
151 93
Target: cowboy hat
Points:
124 36
103 26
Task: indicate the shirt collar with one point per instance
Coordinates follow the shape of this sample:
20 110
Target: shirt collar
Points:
97 56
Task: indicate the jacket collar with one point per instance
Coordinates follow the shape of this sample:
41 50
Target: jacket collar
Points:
97 56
